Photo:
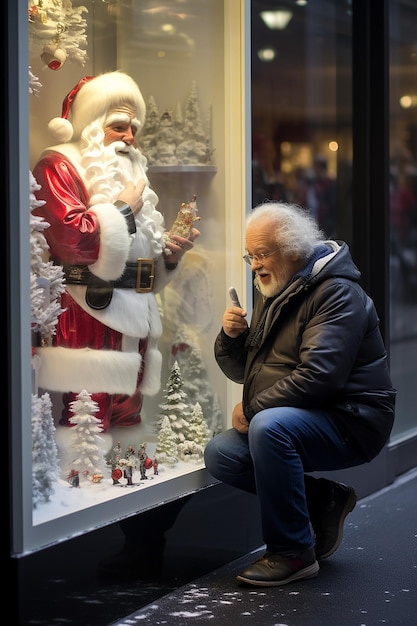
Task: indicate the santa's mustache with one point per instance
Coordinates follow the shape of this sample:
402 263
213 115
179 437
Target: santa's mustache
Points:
120 147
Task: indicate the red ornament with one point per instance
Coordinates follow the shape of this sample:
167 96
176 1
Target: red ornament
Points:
147 463
53 57
116 474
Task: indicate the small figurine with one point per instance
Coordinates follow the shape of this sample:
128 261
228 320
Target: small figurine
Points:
128 474
143 457
74 478
116 475
128 465
114 462
185 219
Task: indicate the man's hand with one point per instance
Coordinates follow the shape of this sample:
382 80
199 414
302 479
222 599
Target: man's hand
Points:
239 420
233 322
132 195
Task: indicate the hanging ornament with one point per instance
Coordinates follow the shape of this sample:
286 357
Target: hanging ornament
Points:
53 55
47 17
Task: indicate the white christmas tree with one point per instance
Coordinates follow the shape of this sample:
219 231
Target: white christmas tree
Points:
178 138
166 145
178 124
46 287
46 279
45 462
194 148
175 406
89 457
196 437
195 379
34 83
193 127
166 445
197 427
148 137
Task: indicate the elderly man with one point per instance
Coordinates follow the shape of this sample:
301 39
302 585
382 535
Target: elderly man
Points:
317 393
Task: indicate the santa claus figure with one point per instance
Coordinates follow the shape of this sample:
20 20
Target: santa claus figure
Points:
108 235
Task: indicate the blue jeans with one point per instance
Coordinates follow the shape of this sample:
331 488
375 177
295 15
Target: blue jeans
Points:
271 460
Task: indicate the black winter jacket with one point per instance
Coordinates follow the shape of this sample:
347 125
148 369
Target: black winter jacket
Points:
321 348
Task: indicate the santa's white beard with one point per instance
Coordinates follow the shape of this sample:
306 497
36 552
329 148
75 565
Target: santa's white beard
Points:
107 170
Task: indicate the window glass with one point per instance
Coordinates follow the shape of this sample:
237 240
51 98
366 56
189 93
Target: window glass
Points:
178 54
301 108
403 210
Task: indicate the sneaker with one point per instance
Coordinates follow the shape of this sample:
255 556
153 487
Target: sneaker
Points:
328 523
273 570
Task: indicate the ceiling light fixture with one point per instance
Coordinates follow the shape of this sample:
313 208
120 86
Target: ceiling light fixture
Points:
278 19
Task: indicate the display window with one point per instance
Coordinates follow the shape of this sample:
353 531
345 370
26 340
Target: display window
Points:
138 193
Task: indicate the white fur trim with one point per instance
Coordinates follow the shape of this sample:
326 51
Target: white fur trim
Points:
114 242
151 382
130 313
107 371
60 129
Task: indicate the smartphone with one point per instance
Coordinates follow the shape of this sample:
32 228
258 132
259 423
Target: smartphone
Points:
234 297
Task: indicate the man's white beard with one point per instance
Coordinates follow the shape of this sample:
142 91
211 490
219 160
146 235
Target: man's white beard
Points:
277 284
107 171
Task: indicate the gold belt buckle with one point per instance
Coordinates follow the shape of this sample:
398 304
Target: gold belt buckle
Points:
145 275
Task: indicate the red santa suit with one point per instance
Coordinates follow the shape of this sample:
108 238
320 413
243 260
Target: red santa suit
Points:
111 352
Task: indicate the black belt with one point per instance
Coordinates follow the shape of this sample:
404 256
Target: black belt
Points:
139 276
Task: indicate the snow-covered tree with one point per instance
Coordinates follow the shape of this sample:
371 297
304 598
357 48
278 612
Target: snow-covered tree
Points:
166 144
194 148
190 451
178 138
196 437
178 124
148 136
46 279
45 462
193 127
195 379
89 458
166 445
175 404
197 428
34 83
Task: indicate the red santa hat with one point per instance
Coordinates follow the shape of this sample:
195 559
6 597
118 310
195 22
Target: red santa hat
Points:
93 97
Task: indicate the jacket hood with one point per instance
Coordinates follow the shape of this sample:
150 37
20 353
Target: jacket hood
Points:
330 260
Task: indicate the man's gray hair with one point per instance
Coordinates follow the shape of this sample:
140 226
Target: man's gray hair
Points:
296 231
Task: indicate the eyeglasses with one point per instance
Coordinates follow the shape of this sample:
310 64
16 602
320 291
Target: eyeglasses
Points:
259 258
